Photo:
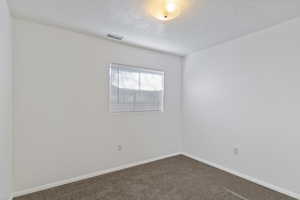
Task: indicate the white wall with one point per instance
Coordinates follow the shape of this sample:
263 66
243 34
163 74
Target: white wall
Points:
5 103
245 93
63 127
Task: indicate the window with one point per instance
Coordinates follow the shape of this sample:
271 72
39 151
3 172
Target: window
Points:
134 89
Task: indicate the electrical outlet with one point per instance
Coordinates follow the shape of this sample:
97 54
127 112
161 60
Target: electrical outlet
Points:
236 151
119 147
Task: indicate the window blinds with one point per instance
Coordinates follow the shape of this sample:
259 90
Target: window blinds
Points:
134 89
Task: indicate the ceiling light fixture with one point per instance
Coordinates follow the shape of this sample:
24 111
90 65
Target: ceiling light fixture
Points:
165 9
169 8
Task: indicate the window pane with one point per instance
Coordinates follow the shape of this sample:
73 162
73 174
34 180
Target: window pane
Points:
114 74
128 80
151 82
135 89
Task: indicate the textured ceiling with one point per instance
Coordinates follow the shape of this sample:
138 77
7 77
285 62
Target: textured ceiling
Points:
204 23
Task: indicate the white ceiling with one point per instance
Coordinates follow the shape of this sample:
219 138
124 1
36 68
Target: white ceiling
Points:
203 24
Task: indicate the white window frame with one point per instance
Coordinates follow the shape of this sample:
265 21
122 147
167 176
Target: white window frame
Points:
142 69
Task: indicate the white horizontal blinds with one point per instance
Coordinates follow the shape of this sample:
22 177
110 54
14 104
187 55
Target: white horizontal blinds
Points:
135 89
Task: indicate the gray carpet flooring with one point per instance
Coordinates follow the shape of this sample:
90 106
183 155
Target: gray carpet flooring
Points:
175 178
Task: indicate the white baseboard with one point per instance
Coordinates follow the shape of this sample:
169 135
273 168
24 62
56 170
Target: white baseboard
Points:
6 198
249 178
101 172
83 177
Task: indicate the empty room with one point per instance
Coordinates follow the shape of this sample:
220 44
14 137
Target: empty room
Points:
149 100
